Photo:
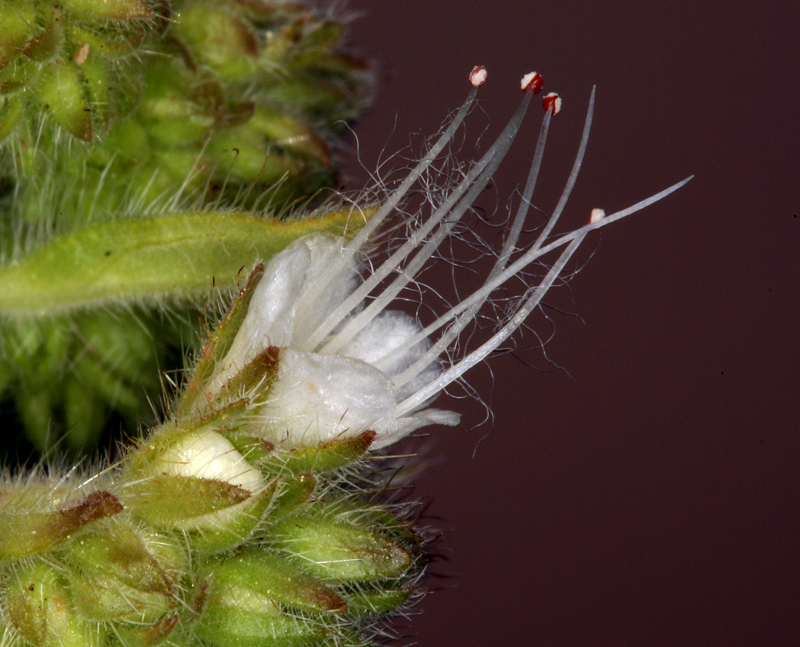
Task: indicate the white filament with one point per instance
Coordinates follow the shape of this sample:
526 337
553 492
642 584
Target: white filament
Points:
349 363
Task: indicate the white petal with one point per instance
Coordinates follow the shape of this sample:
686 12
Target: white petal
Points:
209 455
325 250
271 318
398 428
388 331
317 398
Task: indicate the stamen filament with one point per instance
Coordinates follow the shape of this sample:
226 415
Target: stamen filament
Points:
480 295
500 147
508 329
351 249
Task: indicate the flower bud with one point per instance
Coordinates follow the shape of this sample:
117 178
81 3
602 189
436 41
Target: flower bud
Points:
114 577
40 608
246 597
341 552
101 10
147 636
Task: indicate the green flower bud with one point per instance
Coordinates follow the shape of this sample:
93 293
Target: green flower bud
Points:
148 636
321 458
268 575
40 608
341 552
101 10
114 577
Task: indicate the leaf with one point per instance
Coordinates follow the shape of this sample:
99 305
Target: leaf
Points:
176 256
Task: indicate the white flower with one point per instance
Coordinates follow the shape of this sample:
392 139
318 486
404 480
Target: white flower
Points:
348 363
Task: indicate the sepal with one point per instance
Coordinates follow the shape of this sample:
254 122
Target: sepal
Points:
340 552
28 532
40 608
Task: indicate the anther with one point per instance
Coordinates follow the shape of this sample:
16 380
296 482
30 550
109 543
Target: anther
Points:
532 82
478 76
597 216
552 102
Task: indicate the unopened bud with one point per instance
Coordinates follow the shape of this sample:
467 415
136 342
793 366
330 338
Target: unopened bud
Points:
39 606
341 552
115 577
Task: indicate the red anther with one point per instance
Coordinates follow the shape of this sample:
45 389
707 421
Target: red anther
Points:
478 76
552 102
532 82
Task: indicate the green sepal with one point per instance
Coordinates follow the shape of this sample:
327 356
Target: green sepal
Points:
144 258
11 109
16 77
254 621
321 458
220 341
60 89
340 552
256 377
117 552
219 39
100 598
366 516
49 42
27 533
101 10
17 24
181 502
235 530
110 43
148 636
295 491
377 603
267 574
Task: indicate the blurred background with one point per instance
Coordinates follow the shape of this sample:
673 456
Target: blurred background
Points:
647 493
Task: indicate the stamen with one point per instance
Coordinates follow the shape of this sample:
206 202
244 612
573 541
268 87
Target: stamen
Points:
457 370
452 334
418 262
479 175
392 201
596 216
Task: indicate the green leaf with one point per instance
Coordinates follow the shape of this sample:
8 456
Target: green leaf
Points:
167 256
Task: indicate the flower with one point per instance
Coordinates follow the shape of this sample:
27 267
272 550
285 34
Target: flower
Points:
348 363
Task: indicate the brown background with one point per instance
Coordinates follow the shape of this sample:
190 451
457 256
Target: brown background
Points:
648 494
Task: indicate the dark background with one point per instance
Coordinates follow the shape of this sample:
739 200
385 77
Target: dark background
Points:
648 493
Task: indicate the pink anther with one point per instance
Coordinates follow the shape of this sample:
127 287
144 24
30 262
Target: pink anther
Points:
478 76
532 82
552 102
